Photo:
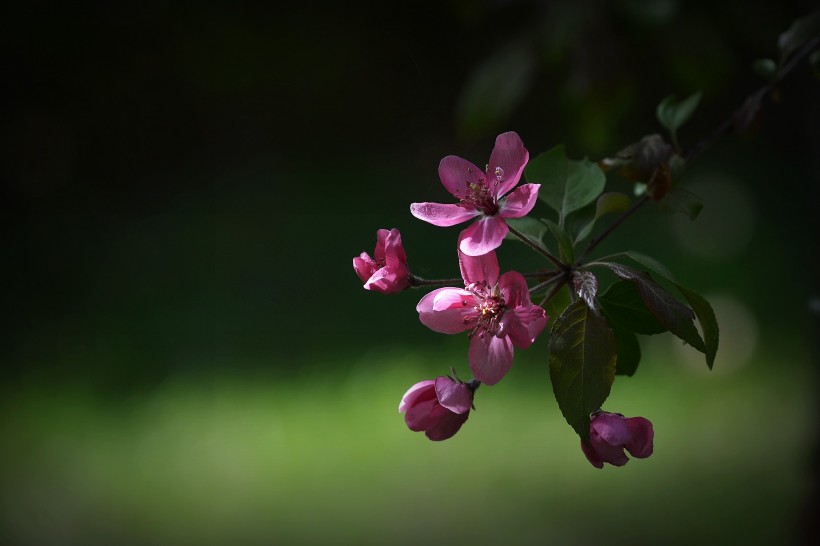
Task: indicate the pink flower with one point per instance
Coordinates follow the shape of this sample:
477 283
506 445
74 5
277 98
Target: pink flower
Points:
387 272
480 194
610 433
497 312
438 407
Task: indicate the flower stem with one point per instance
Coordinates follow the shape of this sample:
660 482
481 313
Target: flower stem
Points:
562 280
597 240
541 286
417 282
535 247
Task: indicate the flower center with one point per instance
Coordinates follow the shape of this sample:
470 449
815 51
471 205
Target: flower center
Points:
479 194
489 309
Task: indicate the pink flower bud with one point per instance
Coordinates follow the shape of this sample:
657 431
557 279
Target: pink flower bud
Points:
387 271
611 433
438 407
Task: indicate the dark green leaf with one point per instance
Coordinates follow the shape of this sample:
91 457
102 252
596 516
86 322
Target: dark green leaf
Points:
765 68
566 185
668 310
650 263
801 31
708 322
629 351
531 228
625 309
563 240
582 364
607 203
494 89
682 201
673 114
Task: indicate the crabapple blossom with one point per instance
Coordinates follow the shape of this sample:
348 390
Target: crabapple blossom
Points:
387 271
482 193
497 312
610 433
437 406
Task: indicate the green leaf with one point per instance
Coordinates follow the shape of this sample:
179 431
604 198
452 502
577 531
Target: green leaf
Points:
680 200
708 322
765 68
668 310
672 114
582 364
565 246
530 227
650 263
801 31
625 309
566 185
607 203
629 351
494 89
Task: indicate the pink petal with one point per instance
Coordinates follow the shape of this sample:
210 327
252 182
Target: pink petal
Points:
514 288
453 395
511 157
394 255
475 269
419 416
483 236
520 202
613 455
447 310
457 174
422 389
490 357
611 428
381 237
524 324
364 266
591 455
444 424
642 437
442 215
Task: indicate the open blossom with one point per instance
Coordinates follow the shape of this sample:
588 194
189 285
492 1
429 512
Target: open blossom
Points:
387 271
482 193
611 433
438 407
497 312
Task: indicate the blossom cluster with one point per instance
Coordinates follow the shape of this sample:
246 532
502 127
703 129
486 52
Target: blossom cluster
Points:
494 309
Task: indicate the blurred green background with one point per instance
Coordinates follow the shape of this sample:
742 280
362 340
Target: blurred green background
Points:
190 358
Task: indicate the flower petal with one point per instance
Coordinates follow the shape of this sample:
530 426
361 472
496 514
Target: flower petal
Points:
510 156
611 428
421 390
608 453
520 202
514 288
443 215
490 357
457 174
453 395
641 439
444 424
475 269
381 237
364 266
447 310
394 254
483 236
591 455
419 416
524 324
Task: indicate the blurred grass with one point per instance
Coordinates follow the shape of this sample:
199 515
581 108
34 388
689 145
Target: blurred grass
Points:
230 459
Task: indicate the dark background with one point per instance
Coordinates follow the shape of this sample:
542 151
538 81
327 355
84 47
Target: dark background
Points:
184 186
